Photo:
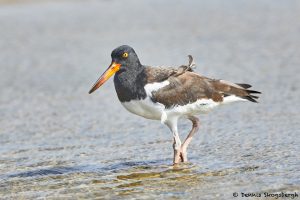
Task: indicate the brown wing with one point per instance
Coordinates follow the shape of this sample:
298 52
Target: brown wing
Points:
159 74
190 87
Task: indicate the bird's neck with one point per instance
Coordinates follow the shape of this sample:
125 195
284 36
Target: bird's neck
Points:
129 84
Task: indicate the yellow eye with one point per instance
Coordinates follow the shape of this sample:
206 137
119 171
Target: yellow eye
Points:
125 55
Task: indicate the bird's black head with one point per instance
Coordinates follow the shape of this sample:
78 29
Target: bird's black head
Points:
126 57
123 58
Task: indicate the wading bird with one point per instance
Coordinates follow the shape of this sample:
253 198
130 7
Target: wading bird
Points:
168 94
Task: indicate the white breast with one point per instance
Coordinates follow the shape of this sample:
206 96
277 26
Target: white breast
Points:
145 107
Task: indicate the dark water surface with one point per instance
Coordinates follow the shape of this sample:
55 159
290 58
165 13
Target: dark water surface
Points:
58 142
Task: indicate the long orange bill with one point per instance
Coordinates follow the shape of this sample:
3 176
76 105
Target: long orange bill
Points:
111 70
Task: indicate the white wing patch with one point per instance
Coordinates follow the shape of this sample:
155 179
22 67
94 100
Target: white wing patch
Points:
232 98
151 87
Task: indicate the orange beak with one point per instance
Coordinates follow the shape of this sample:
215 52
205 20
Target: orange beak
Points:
111 70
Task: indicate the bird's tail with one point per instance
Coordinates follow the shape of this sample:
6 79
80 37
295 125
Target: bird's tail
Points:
250 95
239 90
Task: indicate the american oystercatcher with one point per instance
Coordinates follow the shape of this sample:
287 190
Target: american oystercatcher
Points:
168 94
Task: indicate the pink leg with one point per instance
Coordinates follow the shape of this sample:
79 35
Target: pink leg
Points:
172 124
177 152
183 150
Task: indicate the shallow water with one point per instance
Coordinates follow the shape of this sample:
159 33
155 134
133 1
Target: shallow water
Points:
56 141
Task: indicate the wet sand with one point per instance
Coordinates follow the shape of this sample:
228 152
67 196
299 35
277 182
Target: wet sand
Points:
56 141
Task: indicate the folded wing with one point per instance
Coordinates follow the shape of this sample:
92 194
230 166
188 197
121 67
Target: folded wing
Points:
189 87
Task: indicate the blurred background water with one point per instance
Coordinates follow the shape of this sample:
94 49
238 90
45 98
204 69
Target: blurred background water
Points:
58 142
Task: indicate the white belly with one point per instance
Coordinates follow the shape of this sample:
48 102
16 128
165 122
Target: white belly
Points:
150 110
201 106
145 108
